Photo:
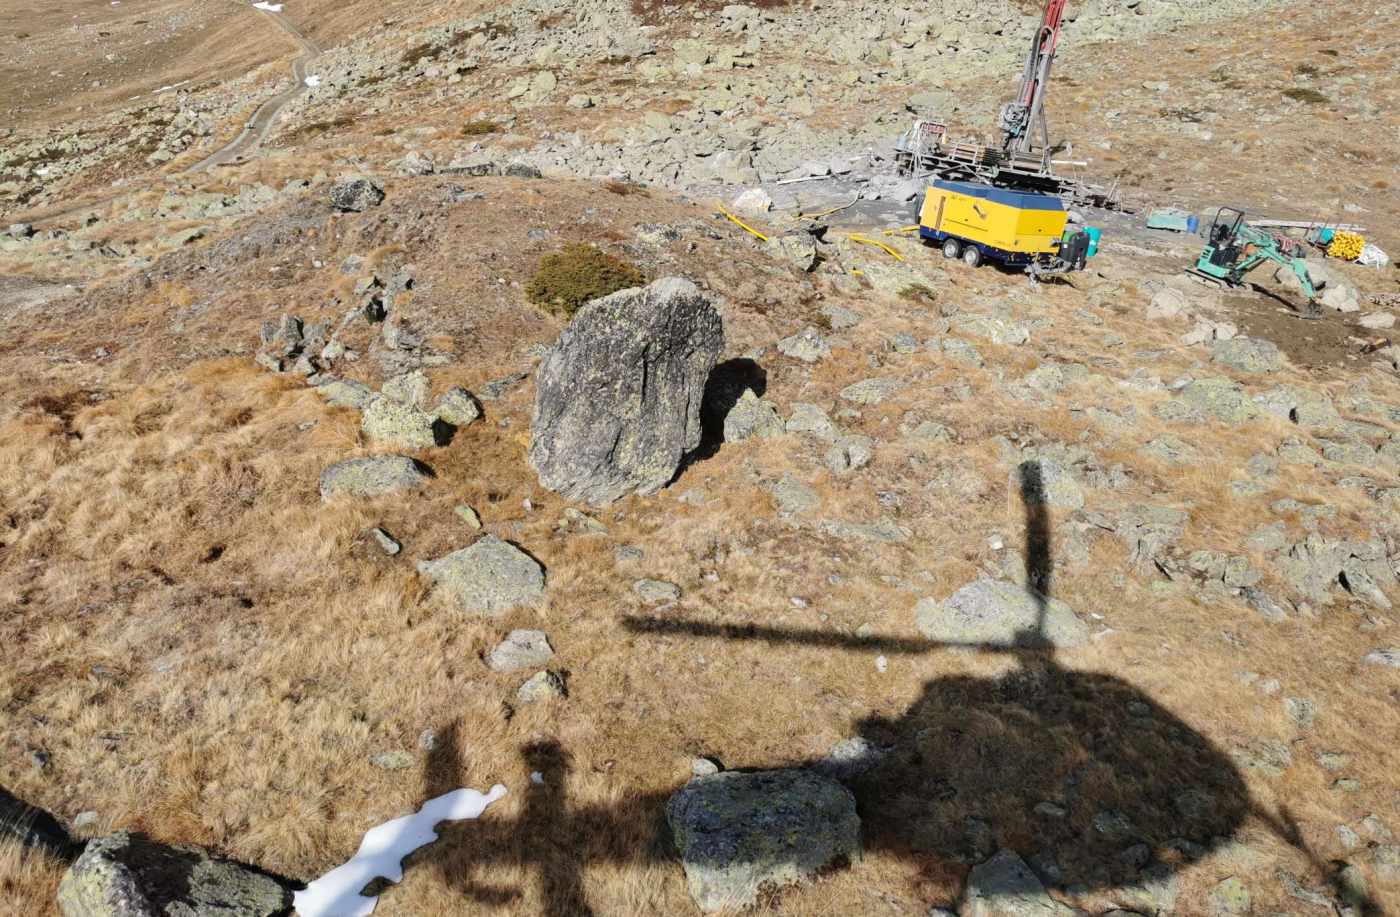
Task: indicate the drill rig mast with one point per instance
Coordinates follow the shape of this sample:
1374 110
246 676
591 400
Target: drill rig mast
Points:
1022 120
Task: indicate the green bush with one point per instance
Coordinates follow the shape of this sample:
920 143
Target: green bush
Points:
479 128
579 273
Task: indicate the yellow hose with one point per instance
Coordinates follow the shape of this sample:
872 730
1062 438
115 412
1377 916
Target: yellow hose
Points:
856 237
741 224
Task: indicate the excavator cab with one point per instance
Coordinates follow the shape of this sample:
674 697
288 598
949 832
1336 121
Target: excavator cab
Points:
1221 242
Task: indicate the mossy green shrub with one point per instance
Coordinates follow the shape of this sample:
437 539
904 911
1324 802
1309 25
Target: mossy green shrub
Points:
577 274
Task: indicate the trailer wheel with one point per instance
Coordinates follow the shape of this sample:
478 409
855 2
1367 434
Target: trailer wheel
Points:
951 248
972 256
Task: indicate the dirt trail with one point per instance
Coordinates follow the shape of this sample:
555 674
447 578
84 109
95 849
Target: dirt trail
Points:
255 131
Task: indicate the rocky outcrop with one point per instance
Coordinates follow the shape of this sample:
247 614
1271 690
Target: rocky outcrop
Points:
488 578
356 194
617 403
126 875
737 832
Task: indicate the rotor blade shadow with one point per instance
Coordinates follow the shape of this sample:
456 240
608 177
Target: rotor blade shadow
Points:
800 636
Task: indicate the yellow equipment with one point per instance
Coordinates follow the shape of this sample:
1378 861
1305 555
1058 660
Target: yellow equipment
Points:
979 222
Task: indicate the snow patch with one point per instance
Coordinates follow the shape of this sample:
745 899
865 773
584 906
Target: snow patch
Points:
313 81
381 853
270 7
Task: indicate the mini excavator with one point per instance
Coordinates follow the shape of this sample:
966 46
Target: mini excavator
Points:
1234 248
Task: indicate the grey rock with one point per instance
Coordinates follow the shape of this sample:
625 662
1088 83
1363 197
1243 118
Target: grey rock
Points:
488 578
751 416
396 760
808 346
798 248
1048 483
122 875
618 399
517 168
457 407
521 649
389 421
356 194
656 592
903 343
467 515
871 391
1263 756
1004 886
1387 657
808 418
1301 711
409 389
793 497
343 393
1248 355
1171 450
883 531
542 686
387 543
738 832
963 352
373 476
840 318
849 453
989 612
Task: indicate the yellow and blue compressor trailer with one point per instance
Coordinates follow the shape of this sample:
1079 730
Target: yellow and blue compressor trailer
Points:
1018 228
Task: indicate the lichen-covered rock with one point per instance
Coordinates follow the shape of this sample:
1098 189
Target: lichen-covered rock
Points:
488 578
373 476
808 346
129 876
751 416
521 649
617 401
1248 355
393 423
356 194
990 612
737 832
346 393
458 407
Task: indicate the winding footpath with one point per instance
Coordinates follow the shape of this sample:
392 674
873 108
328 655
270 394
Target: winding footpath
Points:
257 127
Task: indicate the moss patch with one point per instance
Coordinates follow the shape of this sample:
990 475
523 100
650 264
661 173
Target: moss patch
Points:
579 273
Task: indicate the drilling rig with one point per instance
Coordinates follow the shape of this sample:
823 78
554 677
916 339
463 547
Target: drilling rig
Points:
1022 160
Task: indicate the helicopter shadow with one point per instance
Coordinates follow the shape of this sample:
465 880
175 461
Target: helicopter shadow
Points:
1082 774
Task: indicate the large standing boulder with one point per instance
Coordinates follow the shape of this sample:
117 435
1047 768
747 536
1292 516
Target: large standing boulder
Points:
129 876
488 578
617 400
737 832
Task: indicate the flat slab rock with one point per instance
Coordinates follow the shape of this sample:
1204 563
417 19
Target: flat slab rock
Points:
123 875
990 612
488 578
373 476
1004 886
739 832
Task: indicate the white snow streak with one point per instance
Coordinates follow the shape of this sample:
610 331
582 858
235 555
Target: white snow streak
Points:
270 7
313 81
381 853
